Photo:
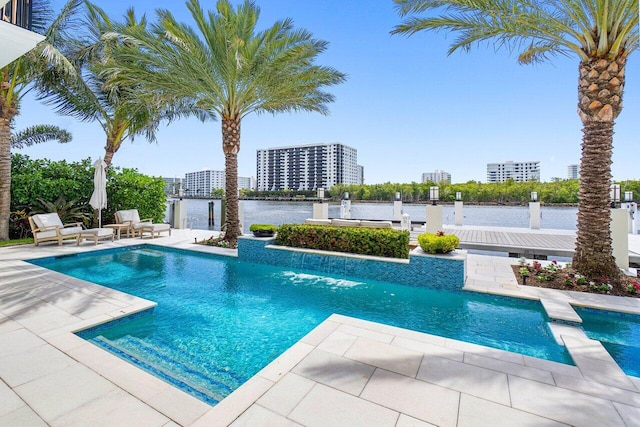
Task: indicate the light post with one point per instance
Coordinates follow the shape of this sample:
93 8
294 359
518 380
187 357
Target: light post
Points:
614 195
434 212
534 211
434 195
458 216
619 228
534 196
397 207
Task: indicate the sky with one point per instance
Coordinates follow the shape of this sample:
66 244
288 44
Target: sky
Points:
406 106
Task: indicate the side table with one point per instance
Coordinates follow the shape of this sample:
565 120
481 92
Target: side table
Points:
118 228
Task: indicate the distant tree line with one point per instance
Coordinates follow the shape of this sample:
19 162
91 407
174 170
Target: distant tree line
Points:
509 192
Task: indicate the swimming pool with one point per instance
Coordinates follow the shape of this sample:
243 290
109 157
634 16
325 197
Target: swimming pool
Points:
619 333
219 320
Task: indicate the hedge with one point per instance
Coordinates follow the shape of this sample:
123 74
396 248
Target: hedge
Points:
384 242
438 243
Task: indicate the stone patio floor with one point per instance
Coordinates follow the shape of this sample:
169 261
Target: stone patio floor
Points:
346 372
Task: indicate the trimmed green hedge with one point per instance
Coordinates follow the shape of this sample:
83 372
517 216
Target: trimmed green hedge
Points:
384 242
263 227
434 243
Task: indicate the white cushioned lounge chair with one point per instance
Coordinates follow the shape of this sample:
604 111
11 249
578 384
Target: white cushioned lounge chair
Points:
139 226
48 227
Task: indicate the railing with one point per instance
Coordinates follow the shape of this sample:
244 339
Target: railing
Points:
17 12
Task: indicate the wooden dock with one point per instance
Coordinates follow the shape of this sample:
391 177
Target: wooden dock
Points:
520 242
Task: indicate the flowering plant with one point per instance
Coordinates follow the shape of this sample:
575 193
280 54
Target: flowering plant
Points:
633 288
603 286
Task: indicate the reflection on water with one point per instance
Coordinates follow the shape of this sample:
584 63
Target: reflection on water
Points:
265 212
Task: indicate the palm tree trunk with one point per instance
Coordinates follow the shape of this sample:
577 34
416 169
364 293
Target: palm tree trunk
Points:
5 176
7 112
231 147
600 90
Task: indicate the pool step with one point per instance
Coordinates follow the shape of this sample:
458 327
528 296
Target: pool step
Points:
155 358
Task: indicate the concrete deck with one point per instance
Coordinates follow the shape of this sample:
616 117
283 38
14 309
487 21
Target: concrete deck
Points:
345 372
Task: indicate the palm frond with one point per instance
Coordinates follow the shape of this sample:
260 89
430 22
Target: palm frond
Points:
39 134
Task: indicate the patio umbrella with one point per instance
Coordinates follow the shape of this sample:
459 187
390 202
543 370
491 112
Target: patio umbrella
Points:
99 197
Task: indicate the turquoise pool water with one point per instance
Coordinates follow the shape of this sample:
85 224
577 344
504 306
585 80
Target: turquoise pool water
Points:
220 320
619 333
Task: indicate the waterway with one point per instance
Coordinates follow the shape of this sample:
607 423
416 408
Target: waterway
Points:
277 213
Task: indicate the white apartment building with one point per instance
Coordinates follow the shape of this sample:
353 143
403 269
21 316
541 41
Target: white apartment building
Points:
360 178
202 183
573 171
16 39
306 167
436 176
518 171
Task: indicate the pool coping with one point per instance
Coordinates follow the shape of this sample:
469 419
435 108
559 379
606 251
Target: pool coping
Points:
252 399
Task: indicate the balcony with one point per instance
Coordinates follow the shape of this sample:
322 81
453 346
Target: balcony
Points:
15 37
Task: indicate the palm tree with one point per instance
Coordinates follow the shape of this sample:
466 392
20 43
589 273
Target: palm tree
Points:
39 134
119 110
18 77
227 70
602 34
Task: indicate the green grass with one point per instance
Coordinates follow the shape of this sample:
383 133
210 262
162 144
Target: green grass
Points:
16 242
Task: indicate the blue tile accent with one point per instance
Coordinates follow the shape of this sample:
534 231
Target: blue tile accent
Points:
439 272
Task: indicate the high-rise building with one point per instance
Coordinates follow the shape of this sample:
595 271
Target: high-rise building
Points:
360 178
202 183
172 185
573 171
306 167
517 171
436 176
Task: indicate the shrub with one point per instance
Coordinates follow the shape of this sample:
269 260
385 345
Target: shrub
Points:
384 242
436 244
263 227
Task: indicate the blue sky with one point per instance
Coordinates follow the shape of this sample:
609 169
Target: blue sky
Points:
406 106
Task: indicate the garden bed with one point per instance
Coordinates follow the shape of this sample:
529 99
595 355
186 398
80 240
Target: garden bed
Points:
567 279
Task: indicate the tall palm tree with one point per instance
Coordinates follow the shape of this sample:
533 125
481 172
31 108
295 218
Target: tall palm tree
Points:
119 110
602 34
39 134
18 77
227 69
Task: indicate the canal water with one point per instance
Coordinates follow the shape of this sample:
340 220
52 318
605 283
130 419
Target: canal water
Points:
277 213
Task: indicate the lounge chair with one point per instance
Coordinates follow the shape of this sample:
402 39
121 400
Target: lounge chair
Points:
139 226
49 227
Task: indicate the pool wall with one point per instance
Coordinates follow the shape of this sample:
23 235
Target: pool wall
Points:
421 269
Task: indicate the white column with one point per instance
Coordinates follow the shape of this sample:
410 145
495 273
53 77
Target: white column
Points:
345 209
241 216
434 218
620 237
534 215
405 223
457 210
321 211
397 210
179 214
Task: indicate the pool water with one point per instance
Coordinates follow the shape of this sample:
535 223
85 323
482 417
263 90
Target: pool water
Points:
619 333
220 320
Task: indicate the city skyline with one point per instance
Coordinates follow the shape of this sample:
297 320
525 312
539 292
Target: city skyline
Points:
406 107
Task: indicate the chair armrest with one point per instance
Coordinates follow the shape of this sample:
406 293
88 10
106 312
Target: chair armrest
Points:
73 224
45 228
147 220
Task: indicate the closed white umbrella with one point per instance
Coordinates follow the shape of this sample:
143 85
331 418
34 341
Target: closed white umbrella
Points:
99 197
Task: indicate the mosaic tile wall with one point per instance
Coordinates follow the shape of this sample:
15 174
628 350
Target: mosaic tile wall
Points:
439 272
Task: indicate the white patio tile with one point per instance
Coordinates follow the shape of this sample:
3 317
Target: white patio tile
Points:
285 362
562 405
630 414
231 407
23 417
553 367
52 319
65 341
414 335
365 333
509 368
324 406
418 399
605 372
494 353
407 421
597 389
9 401
337 343
286 394
480 382
257 416
320 332
429 349
385 356
17 341
19 368
8 325
116 408
178 405
476 412
344 374
63 391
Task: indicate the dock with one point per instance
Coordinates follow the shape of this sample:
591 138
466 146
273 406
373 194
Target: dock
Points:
535 244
